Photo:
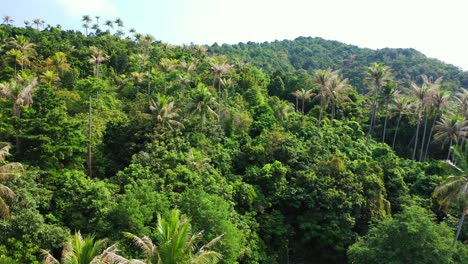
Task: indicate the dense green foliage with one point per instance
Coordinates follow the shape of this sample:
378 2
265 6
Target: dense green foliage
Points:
286 157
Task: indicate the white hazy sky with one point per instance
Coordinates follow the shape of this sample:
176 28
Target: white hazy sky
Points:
436 28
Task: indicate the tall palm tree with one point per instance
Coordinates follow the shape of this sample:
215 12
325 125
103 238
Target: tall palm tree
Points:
38 23
120 24
175 243
97 57
7 20
25 48
303 95
338 88
388 93
86 20
420 93
401 105
79 250
219 69
450 129
202 104
60 62
455 190
377 75
323 80
109 24
439 100
429 105
282 109
49 77
7 171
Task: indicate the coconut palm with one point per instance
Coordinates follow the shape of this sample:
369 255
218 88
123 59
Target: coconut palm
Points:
38 23
109 24
165 113
7 20
439 100
49 77
25 48
429 105
303 95
86 20
462 101
59 60
338 88
7 171
450 129
219 69
400 106
420 93
377 75
79 250
323 79
282 109
455 189
97 57
175 243
22 95
388 93
202 104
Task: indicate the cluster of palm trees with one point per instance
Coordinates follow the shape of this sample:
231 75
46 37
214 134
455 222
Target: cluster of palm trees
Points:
87 24
8 20
175 244
331 89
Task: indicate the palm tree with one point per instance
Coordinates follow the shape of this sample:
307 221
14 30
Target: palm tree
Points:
429 104
60 62
338 87
109 24
25 49
219 69
7 20
420 93
87 20
120 25
450 129
166 113
175 243
455 190
97 57
202 104
38 22
323 79
79 250
401 105
22 96
439 100
49 77
7 171
377 75
388 92
303 95
282 109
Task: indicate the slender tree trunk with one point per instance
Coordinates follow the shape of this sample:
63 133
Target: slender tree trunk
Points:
333 111
430 136
320 113
303 109
424 137
149 82
90 122
450 148
459 226
385 122
416 136
371 120
97 70
396 131
297 104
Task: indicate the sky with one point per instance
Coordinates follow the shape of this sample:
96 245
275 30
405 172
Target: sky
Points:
439 29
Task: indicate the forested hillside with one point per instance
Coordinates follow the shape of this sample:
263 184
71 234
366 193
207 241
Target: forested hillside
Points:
118 148
316 53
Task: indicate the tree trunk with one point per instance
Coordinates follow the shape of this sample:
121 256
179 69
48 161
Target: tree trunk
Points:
385 122
450 148
149 82
396 131
430 136
459 226
333 112
416 135
424 137
302 109
320 113
297 104
371 120
90 170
